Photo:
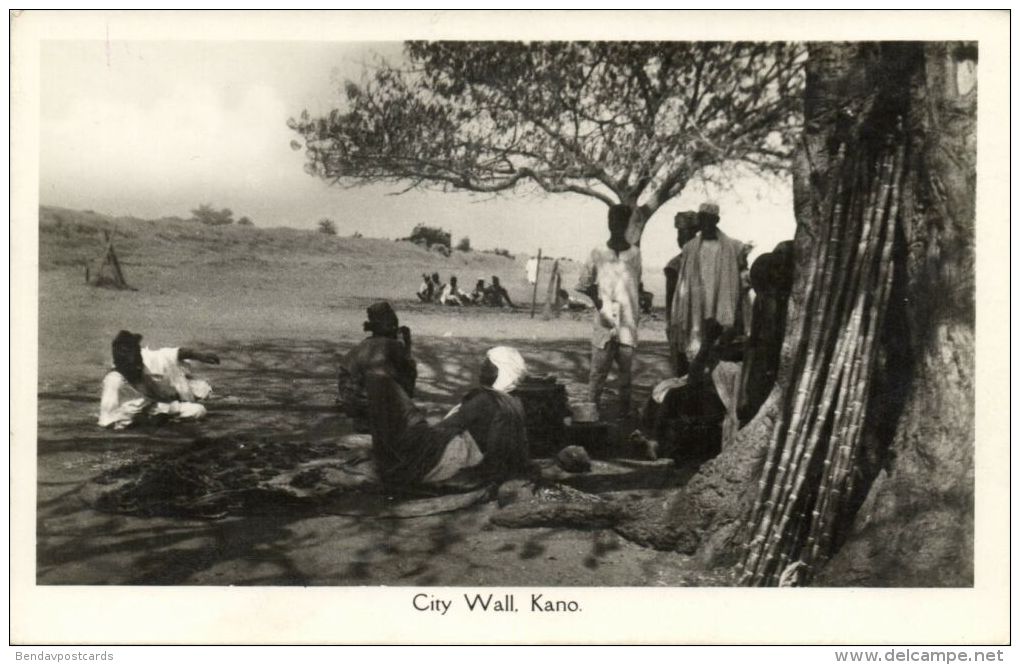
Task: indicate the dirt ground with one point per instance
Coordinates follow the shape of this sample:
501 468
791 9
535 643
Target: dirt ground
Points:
279 346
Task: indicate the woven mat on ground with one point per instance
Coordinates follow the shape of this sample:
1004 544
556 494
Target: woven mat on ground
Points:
217 478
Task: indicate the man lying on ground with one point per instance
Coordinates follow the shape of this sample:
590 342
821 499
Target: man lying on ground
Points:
151 384
481 440
388 347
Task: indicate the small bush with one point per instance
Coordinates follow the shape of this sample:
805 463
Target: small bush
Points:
327 226
464 244
206 214
429 236
245 221
500 252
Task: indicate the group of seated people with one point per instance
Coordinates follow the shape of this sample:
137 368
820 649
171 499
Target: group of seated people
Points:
432 289
480 440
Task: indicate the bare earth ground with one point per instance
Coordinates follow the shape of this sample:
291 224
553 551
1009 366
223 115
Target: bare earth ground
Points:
279 320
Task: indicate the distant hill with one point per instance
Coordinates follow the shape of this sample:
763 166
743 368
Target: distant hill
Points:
172 254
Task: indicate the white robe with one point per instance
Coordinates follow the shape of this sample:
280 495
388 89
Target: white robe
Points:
122 403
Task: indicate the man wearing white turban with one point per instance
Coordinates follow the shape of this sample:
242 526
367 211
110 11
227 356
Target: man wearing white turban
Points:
482 439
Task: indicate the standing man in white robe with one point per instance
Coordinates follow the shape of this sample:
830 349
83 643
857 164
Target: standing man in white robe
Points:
610 277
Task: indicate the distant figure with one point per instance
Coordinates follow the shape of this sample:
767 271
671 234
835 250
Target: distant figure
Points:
686 224
151 384
496 295
388 350
646 298
452 295
478 295
566 301
437 287
610 277
427 289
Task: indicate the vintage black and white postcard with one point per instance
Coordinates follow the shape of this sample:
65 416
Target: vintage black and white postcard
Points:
517 326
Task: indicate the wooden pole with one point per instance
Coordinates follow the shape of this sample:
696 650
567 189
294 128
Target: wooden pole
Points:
534 290
552 293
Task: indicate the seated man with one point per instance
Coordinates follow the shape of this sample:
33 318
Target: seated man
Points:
382 348
452 295
427 289
481 440
478 295
496 295
645 298
697 395
566 301
146 383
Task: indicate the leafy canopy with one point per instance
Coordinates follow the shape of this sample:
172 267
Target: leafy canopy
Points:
628 122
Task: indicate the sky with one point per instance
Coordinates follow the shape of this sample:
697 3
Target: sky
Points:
154 129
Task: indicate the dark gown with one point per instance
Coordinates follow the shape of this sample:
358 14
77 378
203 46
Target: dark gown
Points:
376 352
405 446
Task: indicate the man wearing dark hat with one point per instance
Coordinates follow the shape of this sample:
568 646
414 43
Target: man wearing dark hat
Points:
388 349
147 383
686 224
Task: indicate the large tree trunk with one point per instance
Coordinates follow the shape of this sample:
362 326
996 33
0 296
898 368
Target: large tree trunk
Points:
914 470
905 511
879 474
916 526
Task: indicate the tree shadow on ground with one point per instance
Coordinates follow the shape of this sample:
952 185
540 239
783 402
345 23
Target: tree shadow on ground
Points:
284 389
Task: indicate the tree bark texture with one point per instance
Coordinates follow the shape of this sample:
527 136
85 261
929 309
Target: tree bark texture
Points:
916 524
904 514
888 494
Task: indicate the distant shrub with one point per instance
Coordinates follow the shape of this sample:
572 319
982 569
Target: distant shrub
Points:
429 236
499 252
357 234
206 214
327 226
245 221
464 244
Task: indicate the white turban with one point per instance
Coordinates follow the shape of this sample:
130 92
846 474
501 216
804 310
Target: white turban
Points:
510 364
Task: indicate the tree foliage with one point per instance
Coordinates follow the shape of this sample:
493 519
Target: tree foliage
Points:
422 234
628 122
206 214
327 226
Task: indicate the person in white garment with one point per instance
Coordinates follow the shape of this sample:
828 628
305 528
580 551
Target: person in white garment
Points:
452 295
610 277
151 384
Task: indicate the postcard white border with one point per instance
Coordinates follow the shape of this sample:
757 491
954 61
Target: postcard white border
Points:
201 615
